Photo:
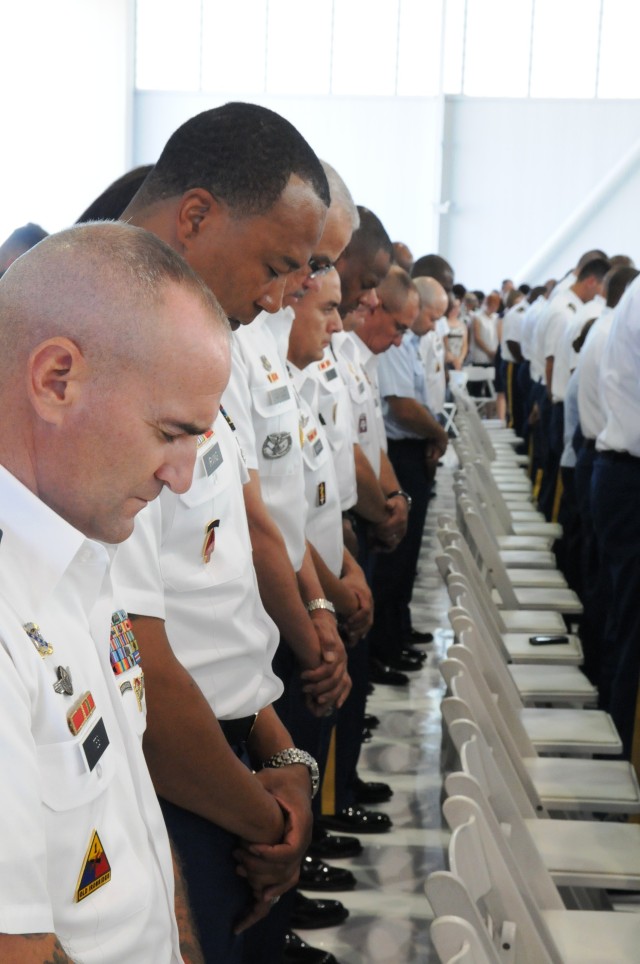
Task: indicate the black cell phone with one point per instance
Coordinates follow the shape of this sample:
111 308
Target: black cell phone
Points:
547 640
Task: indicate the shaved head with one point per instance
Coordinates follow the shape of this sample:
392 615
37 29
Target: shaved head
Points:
432 295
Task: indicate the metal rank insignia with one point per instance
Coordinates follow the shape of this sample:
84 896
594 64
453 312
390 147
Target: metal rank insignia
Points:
322 493
123 646
96 870
64 683
209 540
38 640
80 713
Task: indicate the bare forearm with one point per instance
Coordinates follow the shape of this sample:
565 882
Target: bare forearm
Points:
416 418
371 502
32 949
189 943
333 588
548 373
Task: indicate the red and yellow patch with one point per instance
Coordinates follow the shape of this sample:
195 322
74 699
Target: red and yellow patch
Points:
96 869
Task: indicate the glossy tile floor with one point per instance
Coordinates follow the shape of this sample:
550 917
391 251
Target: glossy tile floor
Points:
388 912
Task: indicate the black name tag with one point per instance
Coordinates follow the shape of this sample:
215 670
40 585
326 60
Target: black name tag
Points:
95 744
330 374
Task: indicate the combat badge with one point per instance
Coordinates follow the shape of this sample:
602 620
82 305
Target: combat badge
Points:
64 684
36 637
96 870
209 540
277 445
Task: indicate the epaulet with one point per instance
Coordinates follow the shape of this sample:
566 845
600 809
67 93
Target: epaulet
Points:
227 418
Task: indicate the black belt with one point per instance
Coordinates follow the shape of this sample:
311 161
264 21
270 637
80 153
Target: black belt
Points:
612 456
590 444
238 731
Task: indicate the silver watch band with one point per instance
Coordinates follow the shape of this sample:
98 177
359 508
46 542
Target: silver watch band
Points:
285 758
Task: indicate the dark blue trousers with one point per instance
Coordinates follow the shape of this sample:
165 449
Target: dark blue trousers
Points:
615 503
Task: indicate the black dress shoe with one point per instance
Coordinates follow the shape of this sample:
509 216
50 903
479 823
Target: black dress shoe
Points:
416 638
414 653
309 913
316 875
330 846
358 820
366 735
297 952
369 792
405 664
379 673
371 722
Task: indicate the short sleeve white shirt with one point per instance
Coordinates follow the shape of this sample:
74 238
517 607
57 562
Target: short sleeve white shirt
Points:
189 562
589 360
334 408
262 403
620 378
358 367
512 329
432 353
84 851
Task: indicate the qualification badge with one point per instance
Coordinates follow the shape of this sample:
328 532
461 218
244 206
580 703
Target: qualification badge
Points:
266 364
209 540
38 640
64 683
138 689
96 869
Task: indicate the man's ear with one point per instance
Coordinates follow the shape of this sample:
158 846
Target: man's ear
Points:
57 370
196 210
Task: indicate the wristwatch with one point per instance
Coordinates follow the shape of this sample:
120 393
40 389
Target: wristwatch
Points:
286 758
314 604
405 496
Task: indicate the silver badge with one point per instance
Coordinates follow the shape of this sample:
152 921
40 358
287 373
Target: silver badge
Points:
64 683
277 445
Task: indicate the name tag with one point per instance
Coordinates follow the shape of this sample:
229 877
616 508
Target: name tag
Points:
278 395
331 374
95 744
212 459
318 446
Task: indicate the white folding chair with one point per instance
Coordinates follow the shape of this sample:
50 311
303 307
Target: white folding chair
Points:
541 934
577 853
551 783
548 730
457 942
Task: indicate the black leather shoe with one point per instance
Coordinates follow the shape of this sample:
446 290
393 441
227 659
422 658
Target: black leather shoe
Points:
296 951
379 673
369 792
416 638
405 664
357 820
366 735
329 846
316 875
371 722
414 653
309 913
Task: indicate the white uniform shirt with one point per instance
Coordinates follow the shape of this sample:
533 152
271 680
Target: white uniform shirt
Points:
530 322
571 421
401 373
262 403
589 405
108 898
566 357
324 516
512 328
358 367
620 377
488 325
189 562
334 408
560 311
432 354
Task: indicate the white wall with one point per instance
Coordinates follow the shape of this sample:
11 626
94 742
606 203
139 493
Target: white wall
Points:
66 75
387 149
516 170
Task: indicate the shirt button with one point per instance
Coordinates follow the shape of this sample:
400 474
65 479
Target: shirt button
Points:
99 770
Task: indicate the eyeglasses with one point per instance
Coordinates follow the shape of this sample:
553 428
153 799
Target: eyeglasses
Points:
319 268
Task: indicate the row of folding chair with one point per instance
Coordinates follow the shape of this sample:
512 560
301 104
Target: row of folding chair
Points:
531 866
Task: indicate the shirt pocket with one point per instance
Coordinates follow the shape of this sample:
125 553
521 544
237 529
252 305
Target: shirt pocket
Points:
277 432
